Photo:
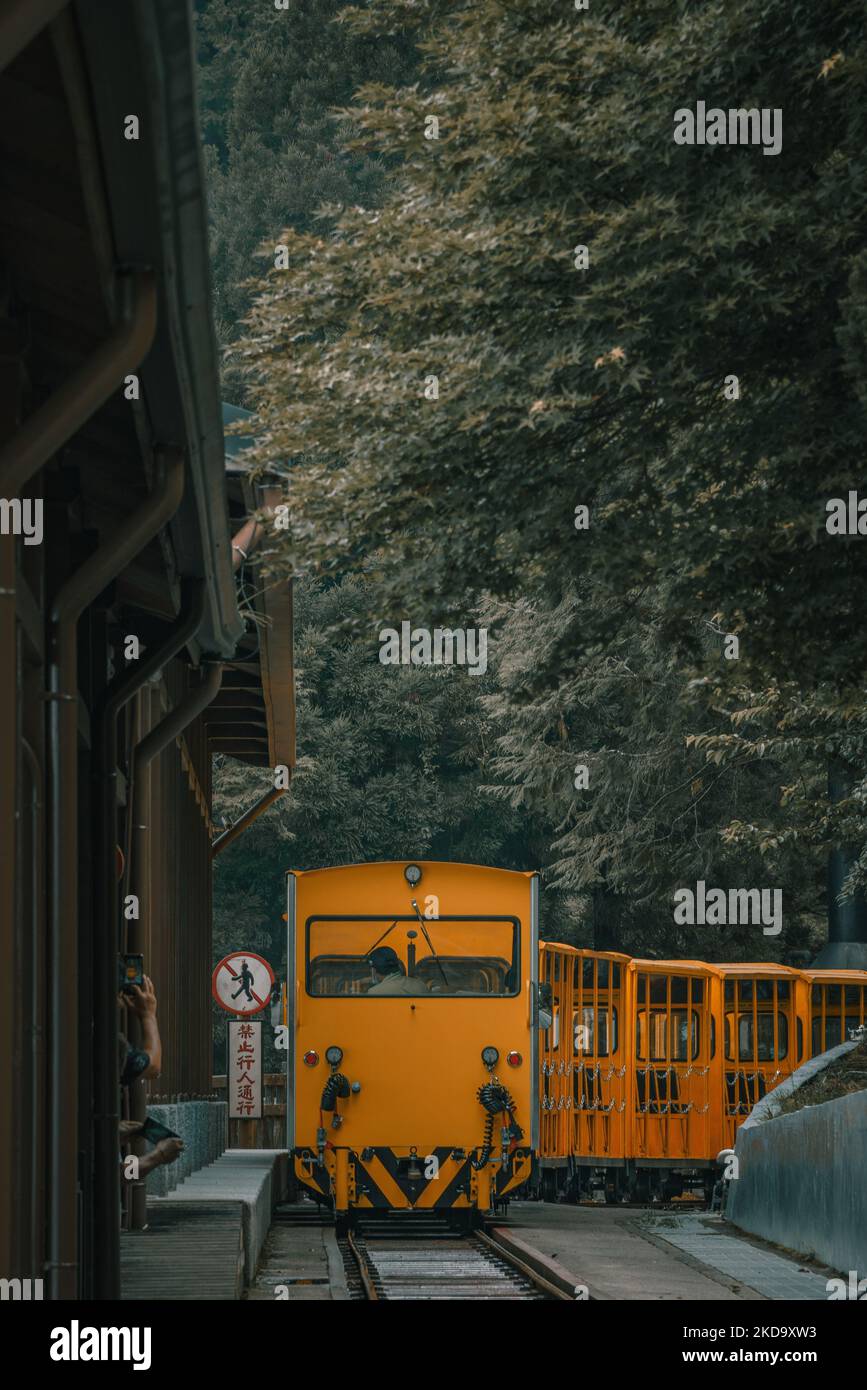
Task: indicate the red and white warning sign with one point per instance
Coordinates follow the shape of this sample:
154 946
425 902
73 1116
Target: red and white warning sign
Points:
245 1070
242 982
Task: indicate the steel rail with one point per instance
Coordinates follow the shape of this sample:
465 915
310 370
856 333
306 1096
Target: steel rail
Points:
370 1291
543 1285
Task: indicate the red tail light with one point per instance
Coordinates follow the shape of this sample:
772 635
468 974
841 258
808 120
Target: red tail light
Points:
311 1059
514 1059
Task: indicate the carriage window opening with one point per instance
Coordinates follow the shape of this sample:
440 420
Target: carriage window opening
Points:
659 989
852 995
674 1037
599 1041
766 1050
837 1030
474 957
729 993
800 1023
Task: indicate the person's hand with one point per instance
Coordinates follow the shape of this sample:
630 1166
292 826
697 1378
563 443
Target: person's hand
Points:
167 1150
128 1129
143 1002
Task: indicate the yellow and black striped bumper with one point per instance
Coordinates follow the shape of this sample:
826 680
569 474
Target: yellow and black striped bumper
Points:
378 1178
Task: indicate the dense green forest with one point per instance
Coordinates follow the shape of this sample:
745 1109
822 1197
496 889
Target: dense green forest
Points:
509 295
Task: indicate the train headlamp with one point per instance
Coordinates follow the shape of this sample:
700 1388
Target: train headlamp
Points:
514 1059
311 1058
334 1055
490 1056
412 874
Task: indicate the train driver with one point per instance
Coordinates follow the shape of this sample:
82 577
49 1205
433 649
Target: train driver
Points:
390 975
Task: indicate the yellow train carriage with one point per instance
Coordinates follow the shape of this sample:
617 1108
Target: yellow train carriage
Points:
762 1026
585 1069
834 1007
413 1035
674 1047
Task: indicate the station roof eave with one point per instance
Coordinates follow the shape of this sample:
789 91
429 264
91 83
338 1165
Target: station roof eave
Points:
140 60
265 655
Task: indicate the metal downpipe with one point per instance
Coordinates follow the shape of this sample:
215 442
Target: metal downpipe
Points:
106 1196
177 719
80 590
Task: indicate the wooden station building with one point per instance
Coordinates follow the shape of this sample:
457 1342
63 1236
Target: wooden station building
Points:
132 644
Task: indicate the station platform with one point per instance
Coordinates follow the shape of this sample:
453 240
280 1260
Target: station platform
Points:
204 1240
637 1253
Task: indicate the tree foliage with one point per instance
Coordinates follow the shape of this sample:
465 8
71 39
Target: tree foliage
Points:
561 386
450 382
271 83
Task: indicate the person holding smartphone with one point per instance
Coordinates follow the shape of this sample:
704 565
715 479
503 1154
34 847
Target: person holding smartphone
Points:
147 1060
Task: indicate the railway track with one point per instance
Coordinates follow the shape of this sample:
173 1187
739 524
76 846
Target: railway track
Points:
430 1262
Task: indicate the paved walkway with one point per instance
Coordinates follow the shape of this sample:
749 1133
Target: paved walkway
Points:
626 1253
301 1262
205 1238
715 1243
190 1250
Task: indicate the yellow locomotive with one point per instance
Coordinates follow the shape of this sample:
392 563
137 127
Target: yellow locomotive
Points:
413 1035
441 1058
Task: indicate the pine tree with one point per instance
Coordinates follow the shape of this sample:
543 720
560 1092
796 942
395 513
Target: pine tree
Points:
272 83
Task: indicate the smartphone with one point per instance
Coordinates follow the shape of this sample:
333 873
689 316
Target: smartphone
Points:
153 1131
130 971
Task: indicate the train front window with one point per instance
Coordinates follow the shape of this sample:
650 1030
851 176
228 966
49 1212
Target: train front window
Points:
469 956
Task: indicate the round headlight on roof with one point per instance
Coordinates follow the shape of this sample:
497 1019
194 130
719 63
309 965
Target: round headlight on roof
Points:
412 874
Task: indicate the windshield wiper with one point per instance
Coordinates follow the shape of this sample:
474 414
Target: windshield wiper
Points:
381 938
429 942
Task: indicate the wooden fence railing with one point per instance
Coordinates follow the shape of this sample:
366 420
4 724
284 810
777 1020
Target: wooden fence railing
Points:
270 1131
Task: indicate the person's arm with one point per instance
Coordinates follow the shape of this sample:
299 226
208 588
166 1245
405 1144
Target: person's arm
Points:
143 1003
166 1151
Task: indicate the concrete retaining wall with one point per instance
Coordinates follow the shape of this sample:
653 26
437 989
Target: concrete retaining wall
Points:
255 1179
801 1181
203 1125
